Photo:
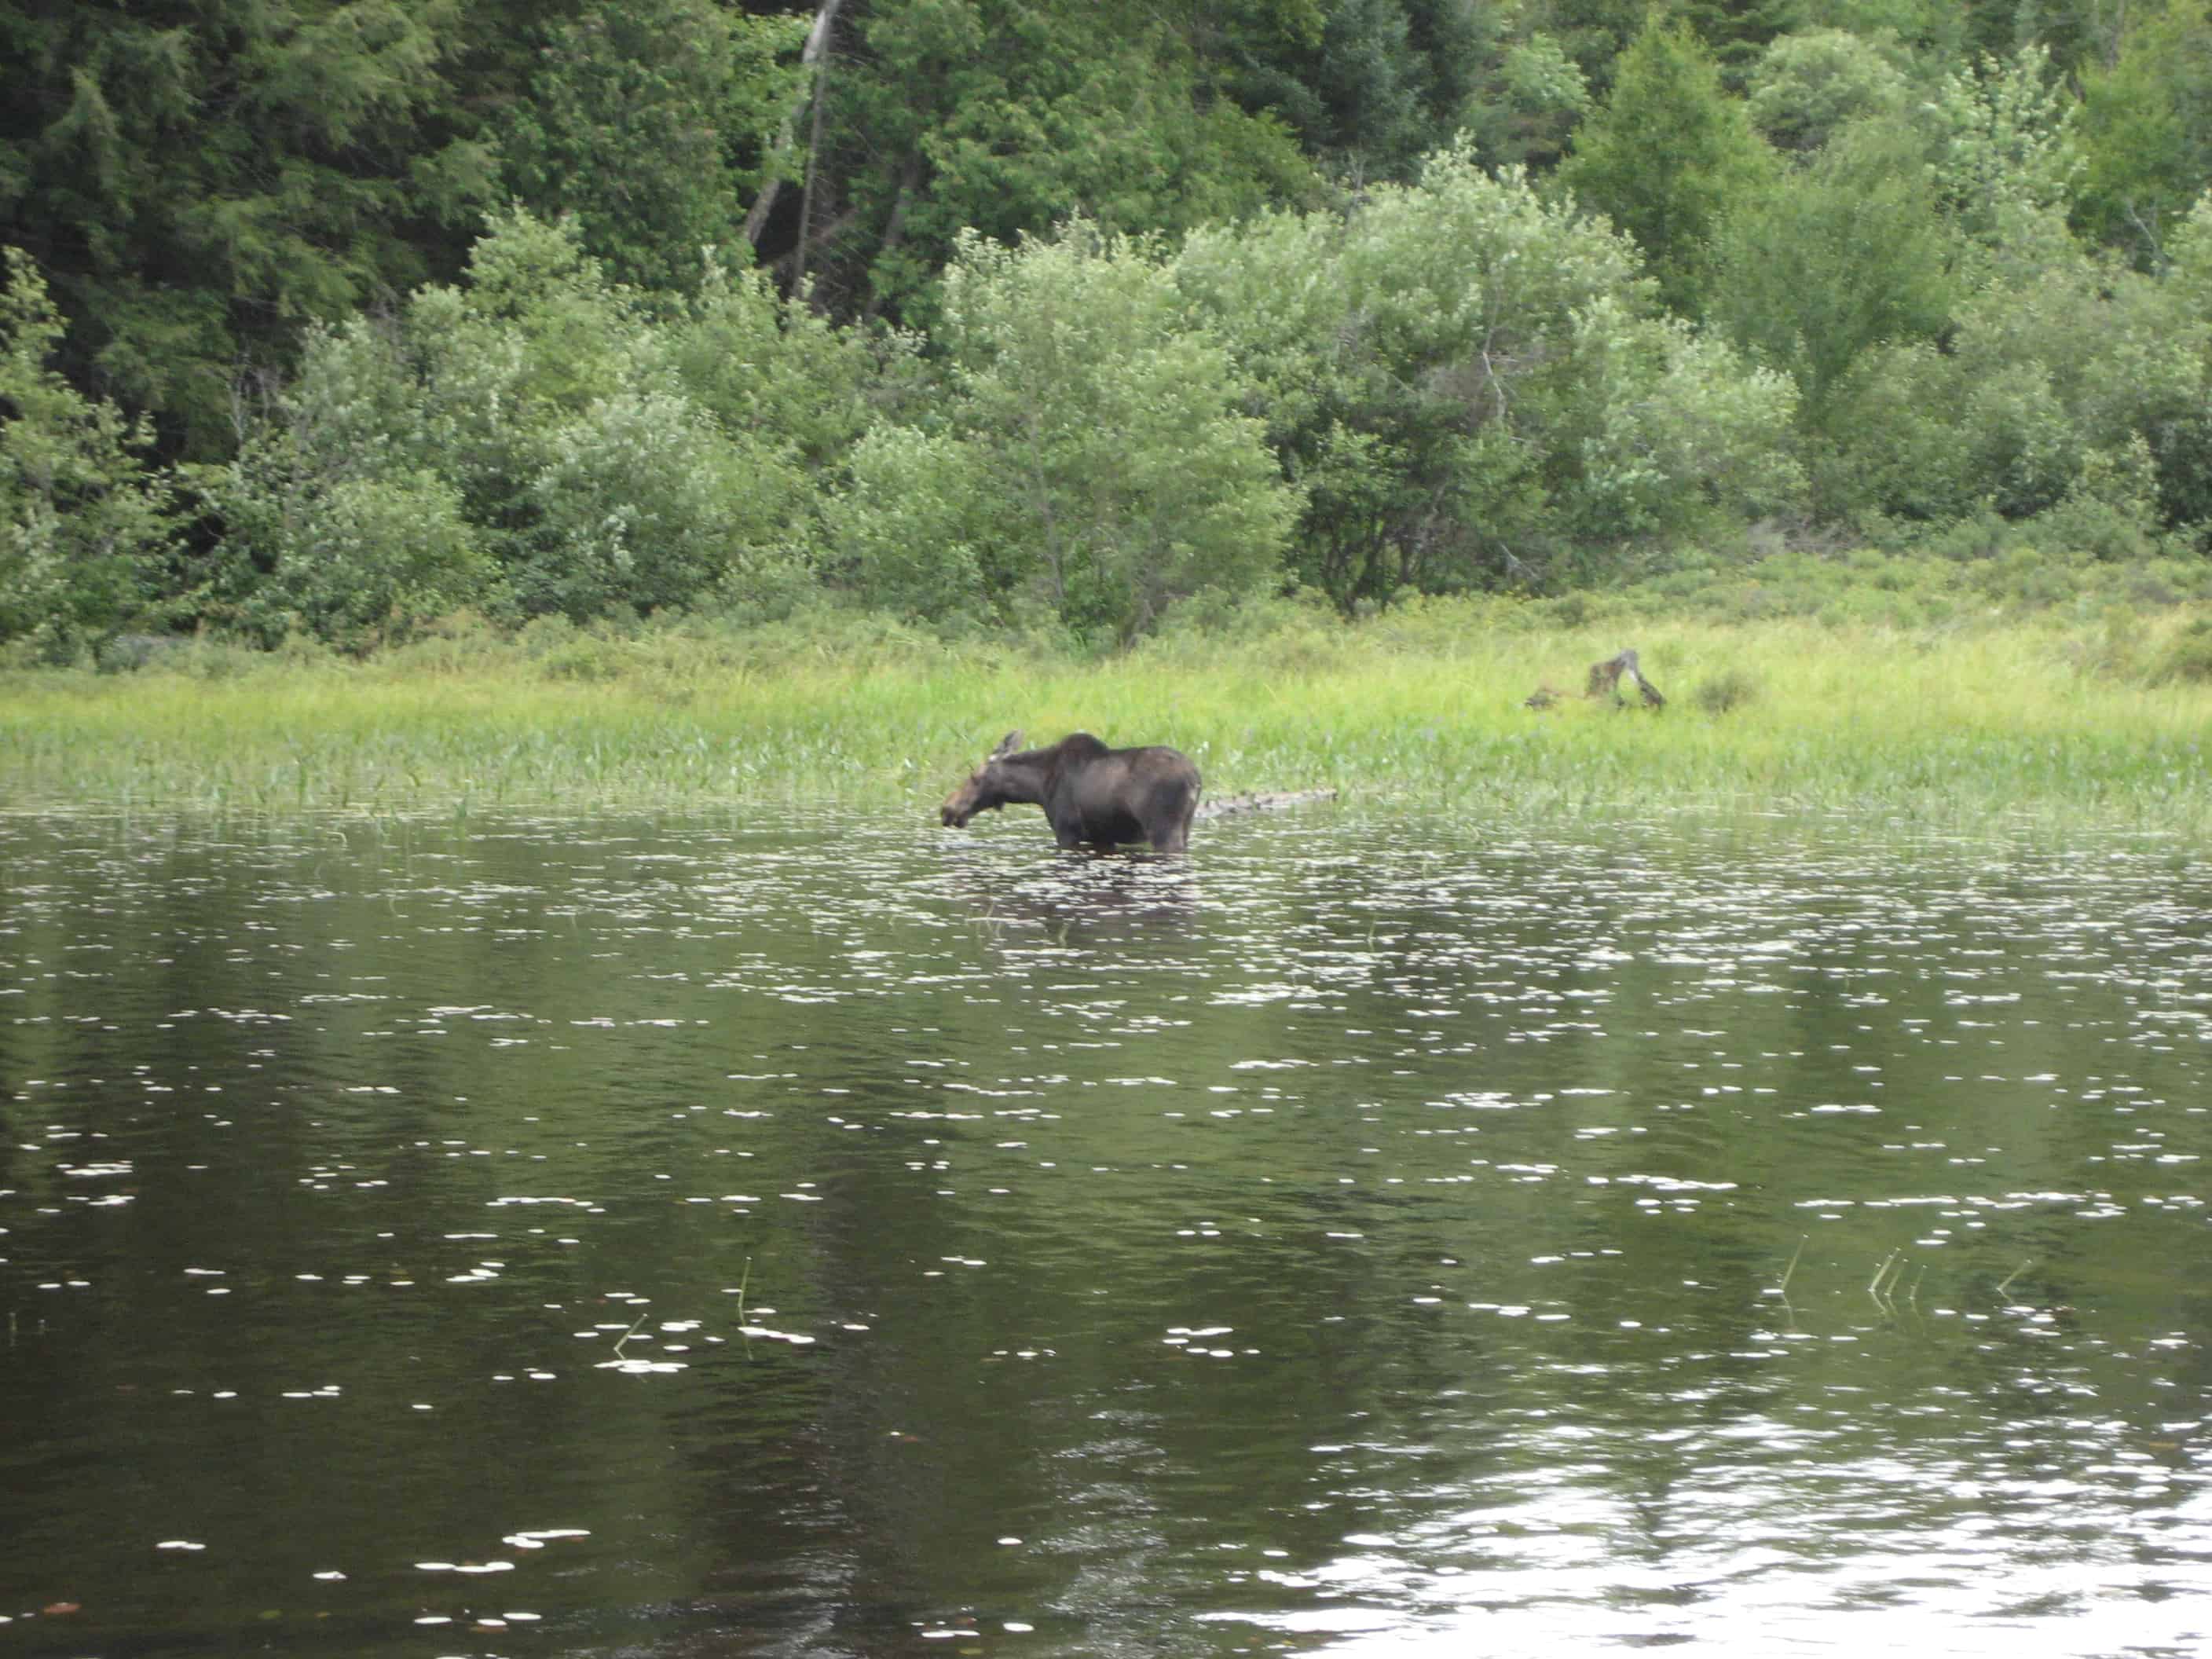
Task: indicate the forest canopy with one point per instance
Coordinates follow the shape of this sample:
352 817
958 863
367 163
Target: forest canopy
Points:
333 319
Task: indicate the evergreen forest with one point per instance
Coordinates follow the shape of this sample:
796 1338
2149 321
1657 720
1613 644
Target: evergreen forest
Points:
332 320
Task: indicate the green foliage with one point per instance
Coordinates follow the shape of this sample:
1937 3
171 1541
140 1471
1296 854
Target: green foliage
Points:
2006 163
1523 113
374 559
2179 426
1848 255
1437 374
1719 693
1669 158
1092 468
528 442
1737 31
635 124
2073 381
2186 657
1475 388
1004 117
1806 88
642 503
1593 33
1933 30
1358 105
1367 91
778 373
912 527
82 526
335 524
1679 434
2146 129
200 182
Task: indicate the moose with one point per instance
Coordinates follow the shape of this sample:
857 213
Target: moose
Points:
1092 795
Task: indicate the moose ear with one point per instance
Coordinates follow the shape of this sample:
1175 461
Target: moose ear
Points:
1007 744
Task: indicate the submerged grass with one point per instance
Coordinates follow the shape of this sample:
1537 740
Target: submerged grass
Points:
1995 725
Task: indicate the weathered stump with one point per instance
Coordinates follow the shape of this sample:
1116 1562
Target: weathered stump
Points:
1605 679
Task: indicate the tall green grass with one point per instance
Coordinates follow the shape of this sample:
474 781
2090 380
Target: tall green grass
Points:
1995 724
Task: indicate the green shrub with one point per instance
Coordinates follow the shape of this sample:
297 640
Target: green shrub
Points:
643 504
2186 657
1732 687
373 560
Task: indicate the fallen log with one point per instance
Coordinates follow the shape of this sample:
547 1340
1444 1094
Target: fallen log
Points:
1265 800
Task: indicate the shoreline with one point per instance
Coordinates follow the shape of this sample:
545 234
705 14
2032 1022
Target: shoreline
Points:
2008 721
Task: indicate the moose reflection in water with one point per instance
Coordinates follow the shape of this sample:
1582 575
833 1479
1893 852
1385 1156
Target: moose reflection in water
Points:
1092 795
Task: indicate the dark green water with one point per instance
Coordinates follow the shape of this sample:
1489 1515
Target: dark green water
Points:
1366 1236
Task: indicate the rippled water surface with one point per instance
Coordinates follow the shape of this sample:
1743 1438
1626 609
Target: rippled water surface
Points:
1370 1235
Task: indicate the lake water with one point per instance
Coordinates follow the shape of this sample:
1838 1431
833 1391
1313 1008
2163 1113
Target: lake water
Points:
1370 1235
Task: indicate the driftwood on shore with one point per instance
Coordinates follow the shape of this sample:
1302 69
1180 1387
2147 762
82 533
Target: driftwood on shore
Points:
1605 678
1264 801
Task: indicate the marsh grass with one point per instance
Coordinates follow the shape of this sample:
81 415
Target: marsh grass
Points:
1995 725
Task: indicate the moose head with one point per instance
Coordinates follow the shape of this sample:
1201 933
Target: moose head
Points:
987 788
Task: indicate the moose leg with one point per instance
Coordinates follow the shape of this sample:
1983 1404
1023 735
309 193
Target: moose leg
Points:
1172 834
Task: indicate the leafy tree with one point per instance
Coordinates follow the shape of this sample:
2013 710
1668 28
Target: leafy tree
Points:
1475 389
357 561
1357 103
644 504
1529 105
1807 87
917 531
1092 469
337 521
1991 28
2006 164
2076 380
525 442
774 370
2147 130
83 528
1677 436
2165 370
2079 34
1935 31
1668 158
1592 33
1849 255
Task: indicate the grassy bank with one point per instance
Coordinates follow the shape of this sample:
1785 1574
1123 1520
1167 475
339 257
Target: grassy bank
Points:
2041 721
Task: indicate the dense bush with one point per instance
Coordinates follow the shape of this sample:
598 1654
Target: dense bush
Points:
83 527
529 442
1477 388
1084 460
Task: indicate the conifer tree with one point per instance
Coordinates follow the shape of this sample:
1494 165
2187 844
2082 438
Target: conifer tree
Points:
1668 157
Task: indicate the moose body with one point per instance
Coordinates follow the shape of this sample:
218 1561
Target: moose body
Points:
1092 795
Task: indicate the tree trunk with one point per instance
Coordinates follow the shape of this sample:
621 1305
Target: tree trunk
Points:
809 57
